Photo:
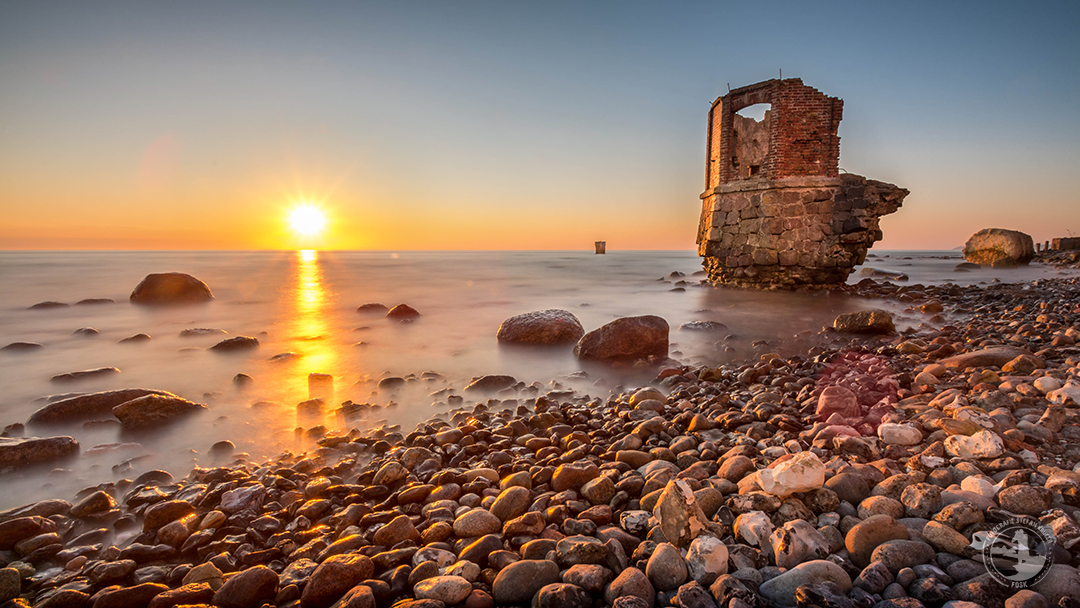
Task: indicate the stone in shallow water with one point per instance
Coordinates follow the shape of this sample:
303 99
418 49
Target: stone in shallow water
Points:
170 288
625 339
26 451
541 328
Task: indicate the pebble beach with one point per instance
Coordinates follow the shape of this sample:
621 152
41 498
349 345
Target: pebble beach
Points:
855 466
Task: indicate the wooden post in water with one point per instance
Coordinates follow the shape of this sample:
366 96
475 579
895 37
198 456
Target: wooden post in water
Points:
601 246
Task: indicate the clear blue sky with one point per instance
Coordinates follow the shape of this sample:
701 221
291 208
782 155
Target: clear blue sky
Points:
510 124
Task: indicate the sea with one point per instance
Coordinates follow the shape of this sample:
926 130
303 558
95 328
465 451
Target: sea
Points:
302 307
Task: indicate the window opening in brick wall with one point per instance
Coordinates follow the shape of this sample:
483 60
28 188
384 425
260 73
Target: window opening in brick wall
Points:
750 134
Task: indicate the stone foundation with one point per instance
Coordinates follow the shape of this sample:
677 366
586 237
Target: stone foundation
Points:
792 232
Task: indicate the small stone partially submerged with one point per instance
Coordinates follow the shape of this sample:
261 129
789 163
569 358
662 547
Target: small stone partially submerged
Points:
153 410
170 288
865 322
25 451
236 344
86 374
81 407
541 328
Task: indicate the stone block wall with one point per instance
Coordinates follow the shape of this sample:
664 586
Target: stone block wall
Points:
776 211
808 231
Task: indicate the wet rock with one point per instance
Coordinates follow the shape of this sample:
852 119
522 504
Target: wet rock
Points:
96 502
999 247
403 312
490 384
248 589
170 288
987 357
86 406
154 410
48 305
781 589
865 322
372 308
86 374
519 582
543 327
395 531
236 344
21 347
28 451
625 339
573 475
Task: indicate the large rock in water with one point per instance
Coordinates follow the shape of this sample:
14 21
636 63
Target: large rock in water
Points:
25 451
170 288
86 406
541 327
999 247
153 410
625 339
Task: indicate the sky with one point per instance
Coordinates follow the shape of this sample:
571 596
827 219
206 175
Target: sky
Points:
509 125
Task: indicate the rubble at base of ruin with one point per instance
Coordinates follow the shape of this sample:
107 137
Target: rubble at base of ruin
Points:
777 213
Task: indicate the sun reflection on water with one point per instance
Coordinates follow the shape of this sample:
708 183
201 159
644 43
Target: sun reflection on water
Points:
310 329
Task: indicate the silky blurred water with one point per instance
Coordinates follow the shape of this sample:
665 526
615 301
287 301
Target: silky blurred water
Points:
304 302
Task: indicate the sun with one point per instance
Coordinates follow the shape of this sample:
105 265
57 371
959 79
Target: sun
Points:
307 220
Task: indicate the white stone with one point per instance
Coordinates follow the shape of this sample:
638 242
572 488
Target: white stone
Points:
899 434
447 589
984 444
707 559
465 569
1066 394
754 527
980 484
1047 384
441 557
803 472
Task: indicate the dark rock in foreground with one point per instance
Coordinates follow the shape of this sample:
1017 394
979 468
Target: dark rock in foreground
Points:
24 451
999 247
541 327
626 339
171 288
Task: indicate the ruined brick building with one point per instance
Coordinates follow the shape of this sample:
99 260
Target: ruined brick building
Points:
776 212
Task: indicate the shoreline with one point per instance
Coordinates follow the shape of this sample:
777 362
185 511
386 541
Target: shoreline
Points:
556 472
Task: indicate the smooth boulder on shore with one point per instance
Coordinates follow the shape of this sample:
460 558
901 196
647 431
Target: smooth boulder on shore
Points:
24 451
85 406
153 410
541 328
626 339
999 247
170 288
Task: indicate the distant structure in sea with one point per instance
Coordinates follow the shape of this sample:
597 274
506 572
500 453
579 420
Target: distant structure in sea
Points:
601 247
776 211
